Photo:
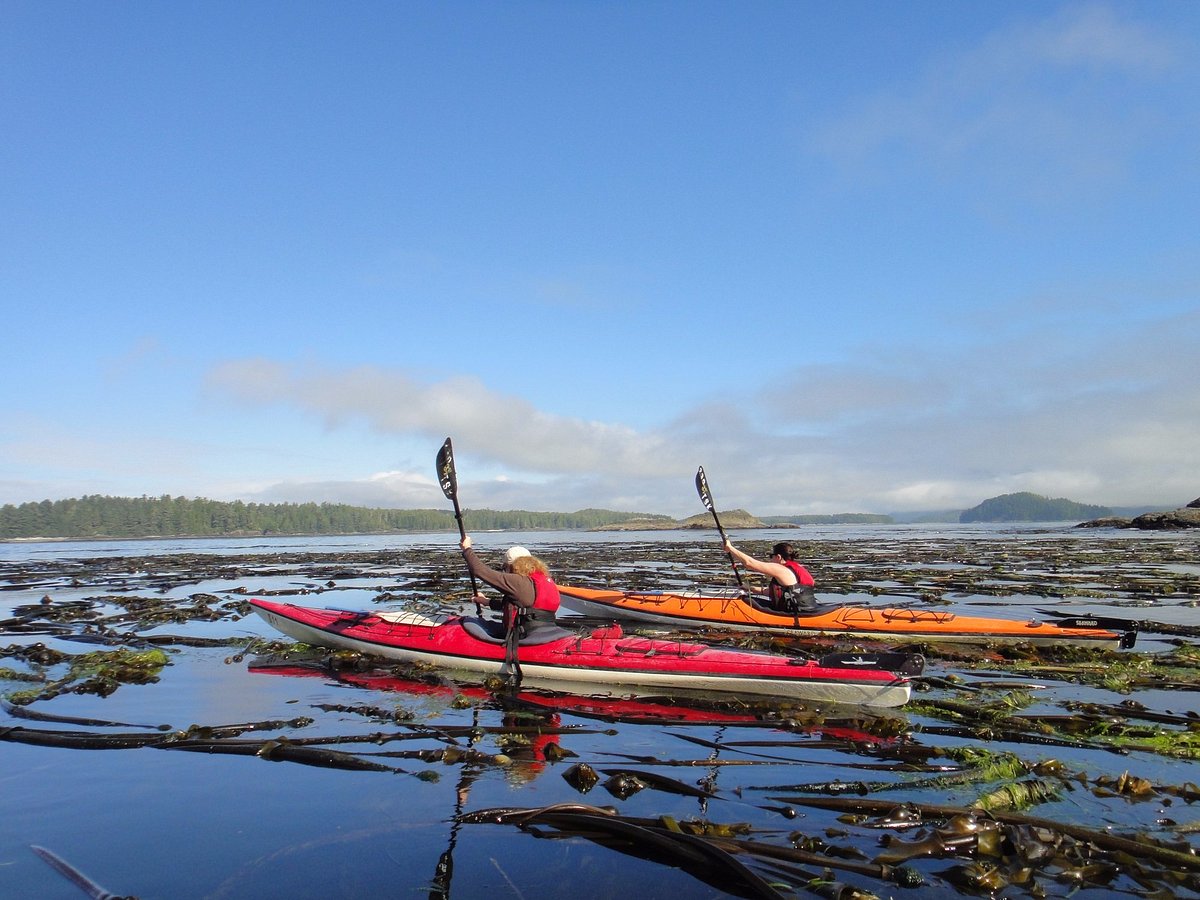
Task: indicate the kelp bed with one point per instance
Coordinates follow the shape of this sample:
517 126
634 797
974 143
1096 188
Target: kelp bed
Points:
1013 772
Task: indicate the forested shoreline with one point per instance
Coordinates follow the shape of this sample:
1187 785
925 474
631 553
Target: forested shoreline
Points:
97 517
123 517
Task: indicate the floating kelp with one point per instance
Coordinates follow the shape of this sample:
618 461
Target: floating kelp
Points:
372 712
1019 795
99 673
35 654
979 719
582 777
1092 726
659 782
81 740
718 854
7 674
25 712
962 825
975 766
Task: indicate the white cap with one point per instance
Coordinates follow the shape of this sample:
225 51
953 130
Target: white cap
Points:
515 553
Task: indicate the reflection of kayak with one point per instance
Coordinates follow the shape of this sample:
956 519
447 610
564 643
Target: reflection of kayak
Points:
663 709
658 711
689 609
579 662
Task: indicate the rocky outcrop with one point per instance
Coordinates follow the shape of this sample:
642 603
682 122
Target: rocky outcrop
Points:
1170 520
1184 517
734 518
1107 522
655 524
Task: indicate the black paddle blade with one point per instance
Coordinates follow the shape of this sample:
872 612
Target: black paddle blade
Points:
702 489
445 470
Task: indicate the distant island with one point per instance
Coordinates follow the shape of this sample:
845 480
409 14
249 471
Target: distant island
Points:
739 518
102 517
1027 507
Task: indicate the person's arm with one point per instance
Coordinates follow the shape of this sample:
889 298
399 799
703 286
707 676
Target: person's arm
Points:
518 588
778 571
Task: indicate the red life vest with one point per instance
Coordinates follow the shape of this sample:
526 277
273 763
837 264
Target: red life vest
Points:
776 591
803 576
545 592
546 600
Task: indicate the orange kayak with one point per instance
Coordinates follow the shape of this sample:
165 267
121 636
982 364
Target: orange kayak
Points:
891 623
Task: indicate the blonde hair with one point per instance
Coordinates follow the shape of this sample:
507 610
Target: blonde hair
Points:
525 565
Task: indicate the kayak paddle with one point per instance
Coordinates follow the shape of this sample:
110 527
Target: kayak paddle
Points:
448 479
707 500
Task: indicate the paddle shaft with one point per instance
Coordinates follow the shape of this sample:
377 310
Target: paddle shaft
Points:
706 499
448 479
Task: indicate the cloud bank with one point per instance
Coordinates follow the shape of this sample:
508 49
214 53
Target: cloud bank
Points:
1112 421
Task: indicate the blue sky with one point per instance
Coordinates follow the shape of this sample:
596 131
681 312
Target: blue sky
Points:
848 257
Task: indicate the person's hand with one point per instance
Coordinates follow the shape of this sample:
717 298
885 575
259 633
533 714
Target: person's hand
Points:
466 542
479 599
728 546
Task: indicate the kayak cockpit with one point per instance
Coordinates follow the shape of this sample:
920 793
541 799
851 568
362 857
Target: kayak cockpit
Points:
491 631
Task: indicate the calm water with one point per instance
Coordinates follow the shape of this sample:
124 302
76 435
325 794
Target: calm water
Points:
170 824
540 539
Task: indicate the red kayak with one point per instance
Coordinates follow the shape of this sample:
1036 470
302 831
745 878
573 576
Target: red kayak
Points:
602 659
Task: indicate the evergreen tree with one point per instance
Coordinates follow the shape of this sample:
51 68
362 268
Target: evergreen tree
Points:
165 516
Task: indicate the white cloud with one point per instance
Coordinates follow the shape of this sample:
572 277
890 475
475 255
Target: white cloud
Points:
396 490
1035 111
1094 35
504 428
1112 421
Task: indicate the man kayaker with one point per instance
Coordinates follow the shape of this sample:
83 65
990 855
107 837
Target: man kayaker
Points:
791 587
529 594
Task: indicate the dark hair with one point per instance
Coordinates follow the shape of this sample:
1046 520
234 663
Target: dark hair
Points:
783 549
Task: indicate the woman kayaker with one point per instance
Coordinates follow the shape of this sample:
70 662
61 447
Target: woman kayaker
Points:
791 587
528 593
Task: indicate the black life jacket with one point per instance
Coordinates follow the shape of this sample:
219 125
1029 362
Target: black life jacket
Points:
796 597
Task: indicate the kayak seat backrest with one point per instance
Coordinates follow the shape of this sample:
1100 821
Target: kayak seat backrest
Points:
484 629
545 633
819 609
492 632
